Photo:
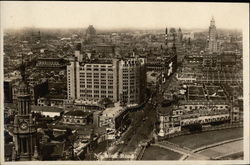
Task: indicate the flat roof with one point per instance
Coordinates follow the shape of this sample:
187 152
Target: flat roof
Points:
113 111
77 113
45 109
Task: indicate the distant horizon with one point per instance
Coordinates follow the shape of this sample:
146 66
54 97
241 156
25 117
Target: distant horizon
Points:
116 29
122 15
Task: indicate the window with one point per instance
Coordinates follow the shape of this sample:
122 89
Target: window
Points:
24 143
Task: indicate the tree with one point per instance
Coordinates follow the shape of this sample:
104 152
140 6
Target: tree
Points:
105 102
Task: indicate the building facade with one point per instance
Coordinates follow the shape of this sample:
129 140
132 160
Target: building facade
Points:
212 38
117 79
92 81
131 77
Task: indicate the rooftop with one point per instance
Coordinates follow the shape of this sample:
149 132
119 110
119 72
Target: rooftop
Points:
113 111
77 113
166 110
45 109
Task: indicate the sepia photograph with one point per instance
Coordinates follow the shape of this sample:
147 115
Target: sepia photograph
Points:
148 82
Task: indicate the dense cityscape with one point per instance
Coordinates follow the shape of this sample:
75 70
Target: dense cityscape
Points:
92 94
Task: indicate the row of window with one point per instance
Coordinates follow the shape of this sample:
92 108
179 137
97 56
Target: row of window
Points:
97 69
196 107
96 96
96 86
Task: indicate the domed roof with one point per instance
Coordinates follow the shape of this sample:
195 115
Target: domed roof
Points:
172 30
91 30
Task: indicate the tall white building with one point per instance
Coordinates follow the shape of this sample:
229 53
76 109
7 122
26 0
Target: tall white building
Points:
132 77
212 38
92 81
118 80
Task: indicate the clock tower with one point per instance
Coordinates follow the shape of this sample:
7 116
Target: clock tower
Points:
24 127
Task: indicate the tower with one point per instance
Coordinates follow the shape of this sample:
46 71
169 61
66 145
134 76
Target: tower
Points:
166 36
212 38
24 127
78 54
179 35
171 38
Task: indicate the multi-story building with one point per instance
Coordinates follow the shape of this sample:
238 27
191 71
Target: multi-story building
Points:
119 80
212 38
92 81
104 50
175 118
115 119
167 65
169 118
50 63
131 79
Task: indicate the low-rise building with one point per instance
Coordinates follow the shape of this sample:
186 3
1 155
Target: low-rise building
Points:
77 117
53 102
50 63
47 110
114 118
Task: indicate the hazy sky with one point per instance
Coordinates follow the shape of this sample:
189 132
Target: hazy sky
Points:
122 14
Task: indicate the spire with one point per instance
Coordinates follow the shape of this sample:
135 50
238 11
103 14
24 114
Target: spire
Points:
22 69
23 87
212 22
166 36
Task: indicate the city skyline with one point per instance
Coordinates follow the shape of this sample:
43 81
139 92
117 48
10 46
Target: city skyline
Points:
87 81
146 15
